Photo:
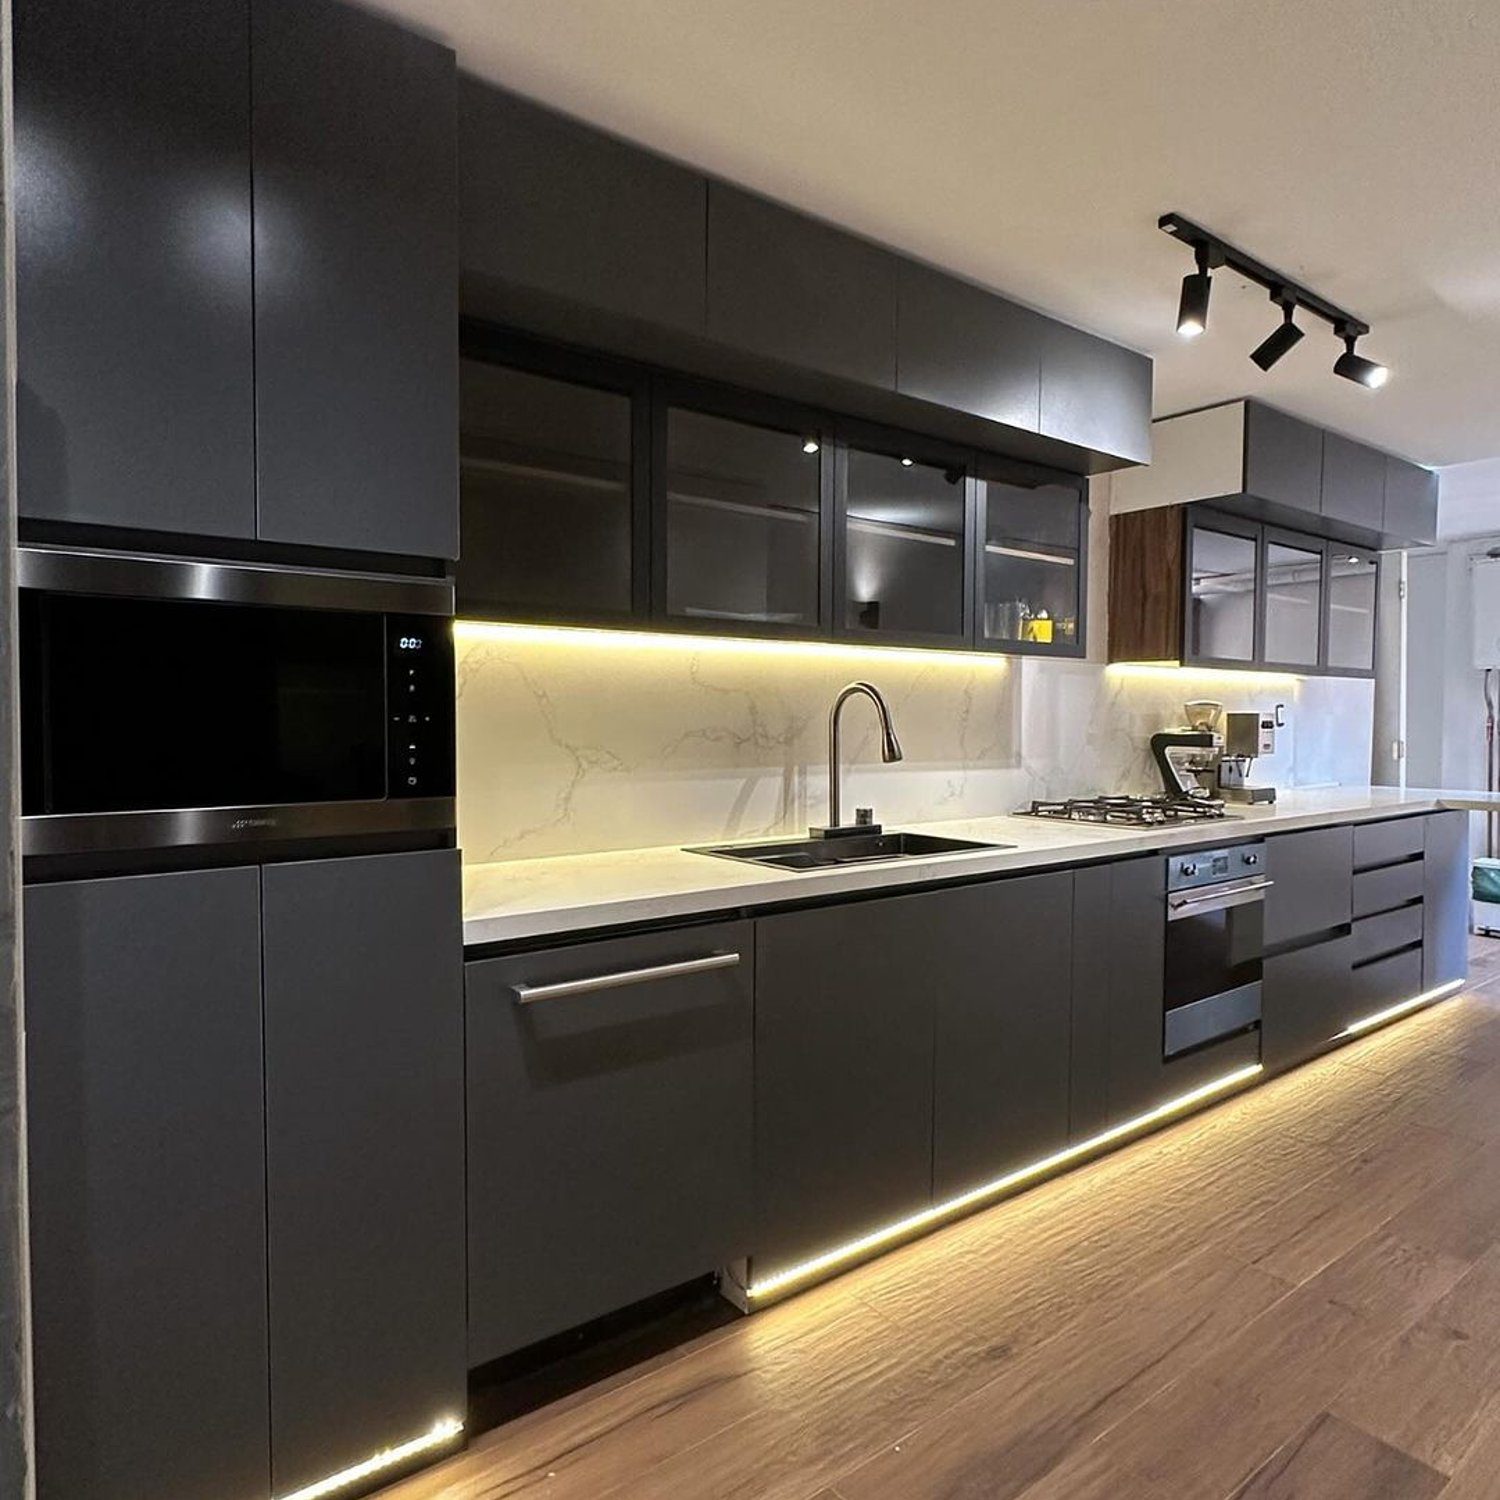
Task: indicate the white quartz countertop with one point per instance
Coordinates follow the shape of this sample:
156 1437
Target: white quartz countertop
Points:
535 898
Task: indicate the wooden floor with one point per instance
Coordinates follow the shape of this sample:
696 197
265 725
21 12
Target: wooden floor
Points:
1296 1294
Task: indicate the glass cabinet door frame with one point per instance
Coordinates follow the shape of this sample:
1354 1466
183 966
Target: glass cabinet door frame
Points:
1367 554
1228 525
1272 536
486 344
865 437
986 468
668 392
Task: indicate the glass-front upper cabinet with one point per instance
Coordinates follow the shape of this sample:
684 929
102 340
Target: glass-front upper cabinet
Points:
1224 573
549 495
1032 563
742 514
1294 600
1353 576
904 556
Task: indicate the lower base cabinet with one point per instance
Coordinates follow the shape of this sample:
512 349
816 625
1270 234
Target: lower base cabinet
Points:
609 1126
147 1165
246 1161
1307 998
364 1156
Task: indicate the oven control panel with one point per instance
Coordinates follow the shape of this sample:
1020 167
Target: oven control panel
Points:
419 706
1215 866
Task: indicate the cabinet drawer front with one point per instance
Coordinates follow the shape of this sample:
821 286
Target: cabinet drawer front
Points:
1376 936
1312 871
622 1070
1388 981
1305 1000
1386 843
1383 890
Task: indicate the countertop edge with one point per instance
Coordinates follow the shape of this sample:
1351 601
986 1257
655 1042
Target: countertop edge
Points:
739 889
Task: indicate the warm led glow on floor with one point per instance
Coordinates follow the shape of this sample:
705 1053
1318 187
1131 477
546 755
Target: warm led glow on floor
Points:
687 644
1405 1007
1177 672
441 1432
854 1249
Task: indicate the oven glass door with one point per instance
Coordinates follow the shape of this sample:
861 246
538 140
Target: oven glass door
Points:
136 704
1210 952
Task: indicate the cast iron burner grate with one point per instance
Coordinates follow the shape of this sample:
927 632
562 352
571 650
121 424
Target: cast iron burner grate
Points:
1130 812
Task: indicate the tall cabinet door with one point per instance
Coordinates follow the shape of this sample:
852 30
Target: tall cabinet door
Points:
133 285
147 1165
365 1154
356 281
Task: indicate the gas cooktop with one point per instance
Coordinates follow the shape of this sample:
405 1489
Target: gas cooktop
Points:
1131 812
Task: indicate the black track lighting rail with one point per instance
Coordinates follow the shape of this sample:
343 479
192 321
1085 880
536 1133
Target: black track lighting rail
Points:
1283 289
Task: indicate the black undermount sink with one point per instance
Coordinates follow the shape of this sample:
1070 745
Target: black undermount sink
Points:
844 849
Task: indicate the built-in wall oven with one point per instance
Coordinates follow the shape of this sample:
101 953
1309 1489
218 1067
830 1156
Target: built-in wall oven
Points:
169 704
1215 940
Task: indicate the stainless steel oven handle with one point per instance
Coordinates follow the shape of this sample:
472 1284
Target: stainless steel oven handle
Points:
529 994
1221 898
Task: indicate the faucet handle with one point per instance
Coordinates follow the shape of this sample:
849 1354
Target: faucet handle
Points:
864 817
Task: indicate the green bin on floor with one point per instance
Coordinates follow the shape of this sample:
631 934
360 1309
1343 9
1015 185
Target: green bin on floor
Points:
1486 880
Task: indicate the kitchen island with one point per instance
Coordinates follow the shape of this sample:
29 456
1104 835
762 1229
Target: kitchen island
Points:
768 1075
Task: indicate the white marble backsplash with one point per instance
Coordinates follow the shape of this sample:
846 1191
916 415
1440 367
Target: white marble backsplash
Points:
575 742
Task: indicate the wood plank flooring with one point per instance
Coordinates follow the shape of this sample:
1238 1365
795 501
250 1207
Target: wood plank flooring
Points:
1295 1295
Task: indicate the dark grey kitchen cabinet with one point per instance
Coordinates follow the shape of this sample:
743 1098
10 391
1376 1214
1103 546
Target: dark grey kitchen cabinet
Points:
1094 394
553 454
1293 569
609 1126
1283 459
1411 501
902 544
356 274
843 1072
790 288
742 512
1031 557
1307 998
364 1155
1313 875
147 1175
1352 599
1353 482
553 209
1001 957
135 404
962 347
1445 898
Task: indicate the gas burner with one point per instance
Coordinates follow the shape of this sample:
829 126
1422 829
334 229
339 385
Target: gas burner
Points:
1130 812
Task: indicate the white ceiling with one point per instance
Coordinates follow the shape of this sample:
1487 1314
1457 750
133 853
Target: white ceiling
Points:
1031 145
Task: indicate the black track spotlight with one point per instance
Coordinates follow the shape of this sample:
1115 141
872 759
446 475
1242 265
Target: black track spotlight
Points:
1356 367
1281 340
1192 307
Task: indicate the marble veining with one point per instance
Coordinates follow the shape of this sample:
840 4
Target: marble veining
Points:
574 742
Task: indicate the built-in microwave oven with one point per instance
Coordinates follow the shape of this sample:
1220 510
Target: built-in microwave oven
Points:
169 703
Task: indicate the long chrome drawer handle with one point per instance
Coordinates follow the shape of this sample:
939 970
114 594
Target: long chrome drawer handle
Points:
529 994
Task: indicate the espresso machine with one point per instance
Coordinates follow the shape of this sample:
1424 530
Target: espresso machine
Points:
1188 757
1247 737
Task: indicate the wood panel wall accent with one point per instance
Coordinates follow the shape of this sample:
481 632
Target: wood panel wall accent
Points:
1145 585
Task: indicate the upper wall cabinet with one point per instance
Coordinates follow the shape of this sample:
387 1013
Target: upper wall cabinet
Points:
574 235
1205 587
793 289
961 347
1260 463
1411 500
356 267
551 208
135 404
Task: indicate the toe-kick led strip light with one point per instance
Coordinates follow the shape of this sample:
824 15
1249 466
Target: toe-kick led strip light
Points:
1357 1028
854 1249
440 1433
